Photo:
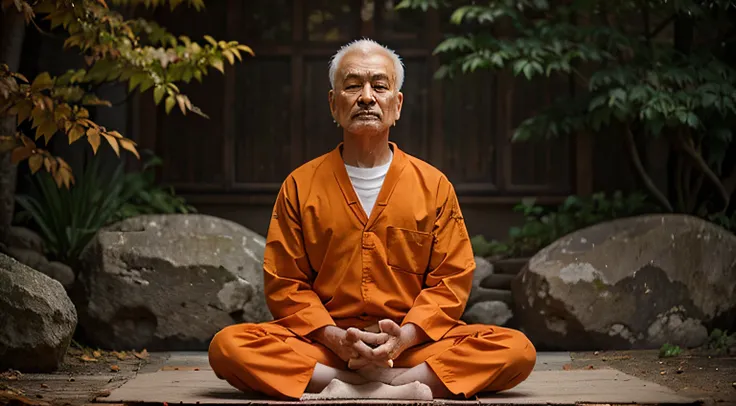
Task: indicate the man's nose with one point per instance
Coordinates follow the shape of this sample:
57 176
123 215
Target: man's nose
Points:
366 95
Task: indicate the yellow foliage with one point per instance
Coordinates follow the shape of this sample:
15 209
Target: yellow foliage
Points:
114 49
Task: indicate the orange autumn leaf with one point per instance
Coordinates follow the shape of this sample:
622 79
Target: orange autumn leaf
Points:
20 154
141 355
129 146
75 133
35 162
93 137
113 143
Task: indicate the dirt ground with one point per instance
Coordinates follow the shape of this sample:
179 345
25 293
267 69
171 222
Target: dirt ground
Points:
694 373
86 375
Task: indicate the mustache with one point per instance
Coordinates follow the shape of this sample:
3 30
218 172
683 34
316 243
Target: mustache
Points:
365 111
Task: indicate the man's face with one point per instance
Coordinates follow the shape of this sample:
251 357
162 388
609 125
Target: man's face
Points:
365 100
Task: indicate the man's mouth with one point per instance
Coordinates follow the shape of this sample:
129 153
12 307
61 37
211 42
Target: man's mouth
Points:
364 114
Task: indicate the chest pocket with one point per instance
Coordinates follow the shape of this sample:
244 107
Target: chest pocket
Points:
408 250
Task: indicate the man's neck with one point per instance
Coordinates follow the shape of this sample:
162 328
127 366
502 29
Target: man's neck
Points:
366 151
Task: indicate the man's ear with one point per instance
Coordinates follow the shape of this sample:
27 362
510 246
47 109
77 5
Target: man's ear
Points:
399 104
331 100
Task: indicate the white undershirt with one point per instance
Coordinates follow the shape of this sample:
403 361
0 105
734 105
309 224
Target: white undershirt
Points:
367 183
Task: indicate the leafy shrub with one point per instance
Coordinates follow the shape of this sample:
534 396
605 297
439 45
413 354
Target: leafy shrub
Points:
146 197
69 218
542 225
721 341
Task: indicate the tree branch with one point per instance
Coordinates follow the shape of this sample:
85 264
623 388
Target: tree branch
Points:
660 27
693 199
680 185
703 166
648 182
730 183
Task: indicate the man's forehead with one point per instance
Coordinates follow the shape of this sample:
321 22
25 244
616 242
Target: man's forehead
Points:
367 63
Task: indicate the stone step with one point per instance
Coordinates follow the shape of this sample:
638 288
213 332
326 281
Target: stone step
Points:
497 281
510 266
490 295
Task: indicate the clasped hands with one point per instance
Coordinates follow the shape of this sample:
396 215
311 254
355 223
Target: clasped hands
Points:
363 349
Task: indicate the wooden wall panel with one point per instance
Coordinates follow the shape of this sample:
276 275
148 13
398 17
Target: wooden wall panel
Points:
469 153
191 146
536 165
411 132
262 116
270 113
319 133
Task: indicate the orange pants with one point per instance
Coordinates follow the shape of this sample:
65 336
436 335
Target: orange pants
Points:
270 359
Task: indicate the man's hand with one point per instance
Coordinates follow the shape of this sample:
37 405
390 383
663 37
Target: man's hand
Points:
362 348
389 344
399 339
363 344
337 340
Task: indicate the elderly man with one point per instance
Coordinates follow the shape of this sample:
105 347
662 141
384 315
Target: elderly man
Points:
368 267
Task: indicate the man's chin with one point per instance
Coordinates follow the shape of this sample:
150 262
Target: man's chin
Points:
367 127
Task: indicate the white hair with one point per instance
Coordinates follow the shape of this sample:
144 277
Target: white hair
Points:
366 43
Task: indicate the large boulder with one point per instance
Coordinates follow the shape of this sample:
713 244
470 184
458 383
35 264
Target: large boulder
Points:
489 302
37 319
21 237
56 270
638 282
169 282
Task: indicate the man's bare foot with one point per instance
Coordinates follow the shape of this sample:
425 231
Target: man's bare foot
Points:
385 375
424 374
374 390
323 375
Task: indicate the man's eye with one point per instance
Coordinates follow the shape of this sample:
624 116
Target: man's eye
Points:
380 87
352 87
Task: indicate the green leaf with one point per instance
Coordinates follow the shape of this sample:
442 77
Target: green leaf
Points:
692 120
158 93
519 66
170 102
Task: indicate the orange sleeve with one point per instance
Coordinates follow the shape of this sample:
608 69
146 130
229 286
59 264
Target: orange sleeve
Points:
442 301
288 276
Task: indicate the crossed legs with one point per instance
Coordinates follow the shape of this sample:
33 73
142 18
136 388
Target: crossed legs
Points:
270 359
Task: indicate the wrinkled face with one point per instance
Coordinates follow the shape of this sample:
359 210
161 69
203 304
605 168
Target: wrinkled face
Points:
365 100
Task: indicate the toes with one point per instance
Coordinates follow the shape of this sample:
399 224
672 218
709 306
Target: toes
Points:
422 391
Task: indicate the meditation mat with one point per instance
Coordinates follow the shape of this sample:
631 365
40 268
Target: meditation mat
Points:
186 379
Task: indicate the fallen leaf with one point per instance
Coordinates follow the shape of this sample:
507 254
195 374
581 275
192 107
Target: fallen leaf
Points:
121 355
596 353
590 367
71 379
141 355
114 368
96 354
11 375
9 398
87 358
43 385
567 367
104 393
662 372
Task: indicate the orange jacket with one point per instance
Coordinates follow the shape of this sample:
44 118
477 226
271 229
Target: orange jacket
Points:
327 263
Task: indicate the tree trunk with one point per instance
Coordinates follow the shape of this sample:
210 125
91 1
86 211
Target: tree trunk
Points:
11 44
